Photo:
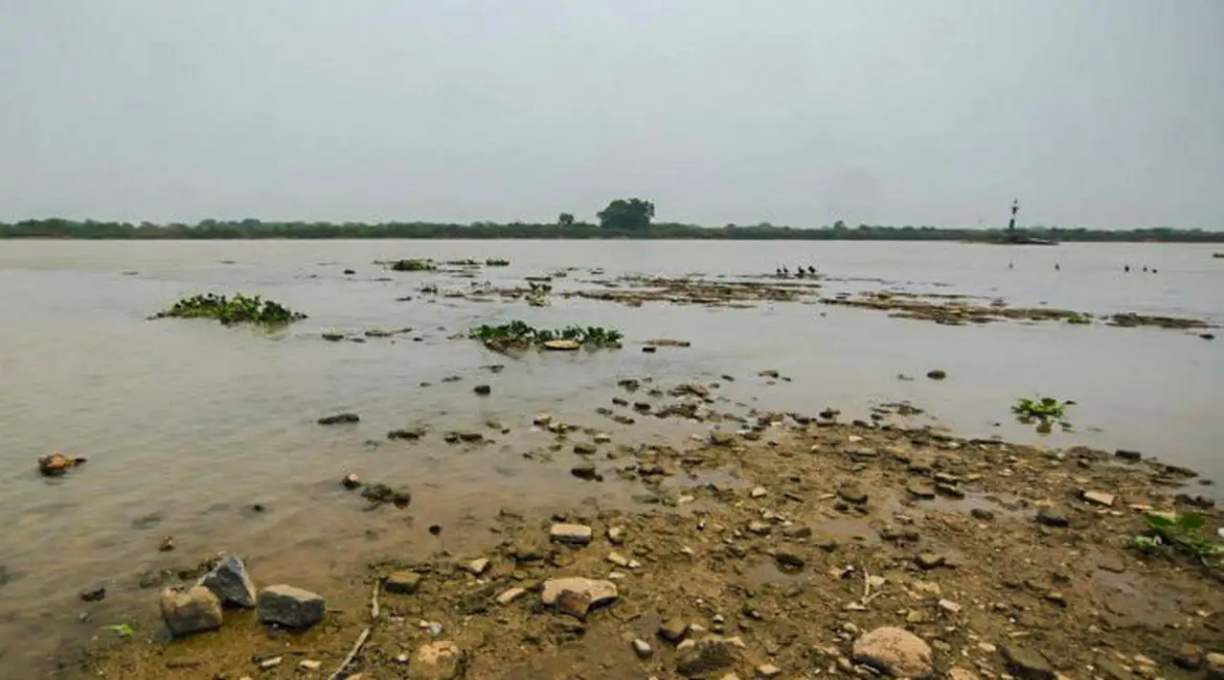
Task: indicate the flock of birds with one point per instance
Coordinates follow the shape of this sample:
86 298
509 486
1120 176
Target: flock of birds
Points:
1125 268
800 271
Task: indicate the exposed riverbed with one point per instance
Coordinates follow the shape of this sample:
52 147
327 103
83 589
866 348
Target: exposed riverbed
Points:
188 424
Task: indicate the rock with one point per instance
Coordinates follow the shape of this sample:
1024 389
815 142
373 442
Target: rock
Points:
574 534
852 493
698 659
510 595
982 514
585 471
483 390
406 434
57 464
929 560
231 583
1051 518
95 593
1099 498
1189 657
961 674
442 660
1215 666
402 583
797 531
576 595
937 374
381 493
642 648
340 419
309 665
585 449
673 630
561 345
351 481
758 492
1026 664
920 490
789 560
616 535
477 566
896 652
289 607
1131 456
190 611
269 664
722 438
759 528
768 671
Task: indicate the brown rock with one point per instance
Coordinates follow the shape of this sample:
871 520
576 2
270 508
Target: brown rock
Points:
442 660
190 611
1026 664
896 652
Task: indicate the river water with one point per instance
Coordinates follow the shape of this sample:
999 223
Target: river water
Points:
188 424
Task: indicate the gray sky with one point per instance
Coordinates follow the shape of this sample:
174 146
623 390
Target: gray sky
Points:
1096 113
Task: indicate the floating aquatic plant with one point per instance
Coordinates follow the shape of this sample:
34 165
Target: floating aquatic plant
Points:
1179 533
232 310
520 335
415 265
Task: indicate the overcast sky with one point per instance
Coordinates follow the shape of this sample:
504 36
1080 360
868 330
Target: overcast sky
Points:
1096 113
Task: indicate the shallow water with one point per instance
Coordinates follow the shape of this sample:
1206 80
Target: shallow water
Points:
187 424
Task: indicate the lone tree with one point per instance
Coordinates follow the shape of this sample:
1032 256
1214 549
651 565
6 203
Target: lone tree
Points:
565 219
632 214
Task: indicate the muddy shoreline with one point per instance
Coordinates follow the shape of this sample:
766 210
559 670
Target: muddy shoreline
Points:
1003 560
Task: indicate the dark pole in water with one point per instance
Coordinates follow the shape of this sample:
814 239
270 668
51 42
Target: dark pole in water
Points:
1011 226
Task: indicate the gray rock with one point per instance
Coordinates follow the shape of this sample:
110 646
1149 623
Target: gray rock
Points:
789 560
190 611
231 583
95 593
929 560
1026 664
290 607
340 419
852 493
585 471
402 583
896 652
595 592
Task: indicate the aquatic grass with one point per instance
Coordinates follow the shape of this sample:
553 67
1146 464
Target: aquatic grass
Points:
238 309
520 335
1180 533
1041 407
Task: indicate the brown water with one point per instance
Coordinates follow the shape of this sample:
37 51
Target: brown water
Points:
187 424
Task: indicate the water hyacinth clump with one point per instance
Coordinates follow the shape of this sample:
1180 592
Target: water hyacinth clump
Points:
418 265
520 335
232 310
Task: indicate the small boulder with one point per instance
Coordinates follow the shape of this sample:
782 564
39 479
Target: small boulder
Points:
483 390
896 652
442 660
583 595
190 611
289 607
95 593
673 630
231 583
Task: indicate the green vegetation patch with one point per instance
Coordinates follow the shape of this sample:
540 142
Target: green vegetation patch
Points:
1180 533
232 310
518 335
1041 407
415 265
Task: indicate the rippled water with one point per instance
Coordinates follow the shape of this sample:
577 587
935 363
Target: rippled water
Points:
188 424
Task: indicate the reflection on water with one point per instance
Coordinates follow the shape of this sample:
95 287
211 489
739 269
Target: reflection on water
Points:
189 425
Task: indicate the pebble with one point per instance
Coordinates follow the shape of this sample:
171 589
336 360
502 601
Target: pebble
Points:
643 649
310 665
93 594
441 660
758 492
271 663
477 566
510 595
1099 498
616 535
949 606
402 582
575 534
930 560
673 630
1051 518
767 670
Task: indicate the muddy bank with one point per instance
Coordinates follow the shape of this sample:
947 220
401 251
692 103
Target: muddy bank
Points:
995 558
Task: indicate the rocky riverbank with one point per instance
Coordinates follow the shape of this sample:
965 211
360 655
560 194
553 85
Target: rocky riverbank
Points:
794 546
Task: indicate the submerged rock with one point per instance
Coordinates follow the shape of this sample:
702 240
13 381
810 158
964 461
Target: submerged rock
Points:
231 583
340 418
190 611
58 464
290 607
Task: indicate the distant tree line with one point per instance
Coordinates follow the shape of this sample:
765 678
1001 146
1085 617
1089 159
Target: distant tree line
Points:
622 219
